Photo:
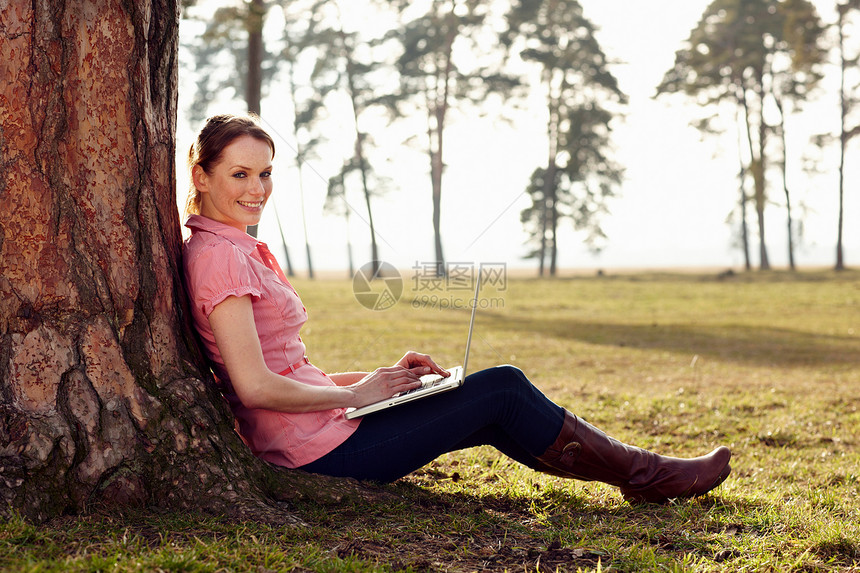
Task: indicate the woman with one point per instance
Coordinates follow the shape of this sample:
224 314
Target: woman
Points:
292 414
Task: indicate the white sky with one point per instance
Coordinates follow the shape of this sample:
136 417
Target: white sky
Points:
674 202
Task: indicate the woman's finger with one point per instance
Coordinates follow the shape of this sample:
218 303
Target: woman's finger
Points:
415 360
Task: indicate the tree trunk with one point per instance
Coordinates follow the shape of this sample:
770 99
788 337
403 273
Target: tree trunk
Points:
547 205
548 195
300 162
843 137
290 272
102 402
254 75
758 173
759 177
742 175
784 167
439 108
544 223
745 240
360 155
553 230
748 128
437 166
365 185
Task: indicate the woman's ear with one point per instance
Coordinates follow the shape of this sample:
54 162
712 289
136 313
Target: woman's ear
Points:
199 178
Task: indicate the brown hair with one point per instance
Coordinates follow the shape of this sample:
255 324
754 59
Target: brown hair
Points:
218 133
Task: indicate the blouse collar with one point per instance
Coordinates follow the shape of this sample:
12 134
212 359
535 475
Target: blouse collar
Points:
242 240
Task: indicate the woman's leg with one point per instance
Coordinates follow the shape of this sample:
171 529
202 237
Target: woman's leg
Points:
497 407
501 408
584 452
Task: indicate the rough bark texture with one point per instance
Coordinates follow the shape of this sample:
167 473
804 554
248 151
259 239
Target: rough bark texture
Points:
101 398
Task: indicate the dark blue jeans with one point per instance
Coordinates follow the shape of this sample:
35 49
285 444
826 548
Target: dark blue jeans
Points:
498 407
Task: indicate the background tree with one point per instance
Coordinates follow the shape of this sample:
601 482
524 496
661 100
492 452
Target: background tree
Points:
794 71
336 202
305 103
254 20
848 104
736 53
707 127
432 79
235 33
103 400
238 30
232 35
574 74
583 183
340 63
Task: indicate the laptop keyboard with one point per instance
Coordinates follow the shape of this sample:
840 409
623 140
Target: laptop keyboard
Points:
427 381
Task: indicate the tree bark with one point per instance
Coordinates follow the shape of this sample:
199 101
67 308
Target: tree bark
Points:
102 400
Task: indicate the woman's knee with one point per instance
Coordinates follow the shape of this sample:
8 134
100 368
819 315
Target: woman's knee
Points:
504 375
513 374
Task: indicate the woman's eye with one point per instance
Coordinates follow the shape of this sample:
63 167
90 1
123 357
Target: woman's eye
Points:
266 174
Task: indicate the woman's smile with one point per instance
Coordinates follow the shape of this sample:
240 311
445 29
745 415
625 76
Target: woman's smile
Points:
238 186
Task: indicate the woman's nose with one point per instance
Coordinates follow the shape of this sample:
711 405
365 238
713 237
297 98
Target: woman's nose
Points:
258 186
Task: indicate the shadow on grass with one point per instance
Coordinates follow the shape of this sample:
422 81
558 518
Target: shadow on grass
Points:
728 343
551 531
424 530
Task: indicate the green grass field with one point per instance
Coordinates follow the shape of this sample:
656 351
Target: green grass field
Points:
767 363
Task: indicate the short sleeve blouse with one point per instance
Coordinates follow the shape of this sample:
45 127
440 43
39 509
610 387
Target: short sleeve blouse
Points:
221 261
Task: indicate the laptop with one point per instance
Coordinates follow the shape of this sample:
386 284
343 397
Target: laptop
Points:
431 384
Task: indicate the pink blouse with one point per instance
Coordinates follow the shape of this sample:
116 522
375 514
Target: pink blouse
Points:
221 261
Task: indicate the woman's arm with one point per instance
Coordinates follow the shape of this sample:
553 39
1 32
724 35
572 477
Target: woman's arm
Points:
347 378
256 386
419 363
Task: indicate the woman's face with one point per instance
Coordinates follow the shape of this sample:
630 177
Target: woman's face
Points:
238 187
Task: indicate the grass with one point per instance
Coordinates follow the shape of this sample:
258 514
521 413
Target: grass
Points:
767 363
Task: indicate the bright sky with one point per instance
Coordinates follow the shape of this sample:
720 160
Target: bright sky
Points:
673 206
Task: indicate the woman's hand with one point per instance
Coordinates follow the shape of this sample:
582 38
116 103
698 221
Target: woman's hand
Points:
421 364
385 382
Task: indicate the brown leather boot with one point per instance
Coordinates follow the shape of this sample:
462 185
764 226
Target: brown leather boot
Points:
584 452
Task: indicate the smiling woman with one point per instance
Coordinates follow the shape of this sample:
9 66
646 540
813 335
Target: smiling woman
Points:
231 169
293 414
236 190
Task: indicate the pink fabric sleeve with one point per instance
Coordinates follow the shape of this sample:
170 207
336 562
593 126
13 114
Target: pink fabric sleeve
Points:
220 272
